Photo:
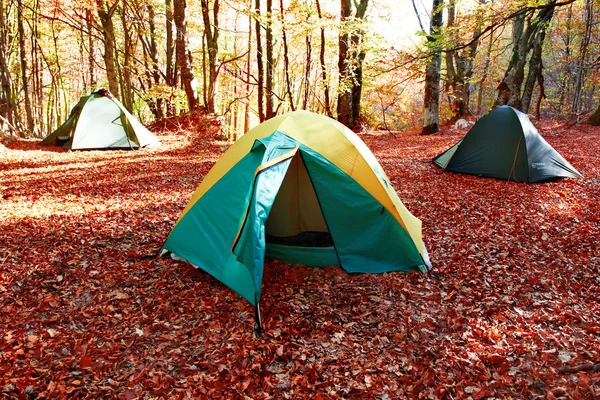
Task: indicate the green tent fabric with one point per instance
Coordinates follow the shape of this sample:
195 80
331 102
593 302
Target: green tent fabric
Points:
504 144
303 189
99 121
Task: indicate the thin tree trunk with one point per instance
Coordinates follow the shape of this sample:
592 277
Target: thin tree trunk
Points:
158 104
322 61
211 31
170 65
488 58
589 10
21 29
183 55
269 50
286 60
307 69
259 64
89 20
127 95
247 106
7 105
431 99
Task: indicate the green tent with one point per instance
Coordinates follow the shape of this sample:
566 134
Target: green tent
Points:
504 144
99 121
303 189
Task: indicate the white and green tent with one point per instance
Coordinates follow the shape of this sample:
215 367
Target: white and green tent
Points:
99 121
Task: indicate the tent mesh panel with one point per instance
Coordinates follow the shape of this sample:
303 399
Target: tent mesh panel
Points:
303 239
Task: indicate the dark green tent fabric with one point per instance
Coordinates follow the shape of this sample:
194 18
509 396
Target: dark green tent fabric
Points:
504 144
99 121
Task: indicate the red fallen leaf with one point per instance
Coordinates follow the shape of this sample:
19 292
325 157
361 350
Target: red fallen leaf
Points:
129 394
85 362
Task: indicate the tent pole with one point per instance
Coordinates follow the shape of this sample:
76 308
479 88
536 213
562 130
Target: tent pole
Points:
257 322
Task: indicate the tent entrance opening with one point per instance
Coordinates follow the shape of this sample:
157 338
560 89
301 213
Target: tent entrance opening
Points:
296 230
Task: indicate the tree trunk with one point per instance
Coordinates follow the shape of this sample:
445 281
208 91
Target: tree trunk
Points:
153 54
183 55
170 65
286 59
259 64
358 57
431 99
269 50
459 68
525 32
105 14
535 70
127 95
307 68
211 31
28 110
595 118
344 104
589 10
248 63
7 104
89 20
488 59
322 61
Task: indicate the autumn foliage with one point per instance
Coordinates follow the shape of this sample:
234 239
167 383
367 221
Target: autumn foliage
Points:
84 314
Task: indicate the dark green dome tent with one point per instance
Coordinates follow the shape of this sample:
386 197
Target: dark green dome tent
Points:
504 144
99 121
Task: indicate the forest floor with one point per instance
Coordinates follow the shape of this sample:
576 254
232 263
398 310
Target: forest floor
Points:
84 315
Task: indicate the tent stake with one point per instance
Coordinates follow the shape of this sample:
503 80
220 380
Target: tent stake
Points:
257 323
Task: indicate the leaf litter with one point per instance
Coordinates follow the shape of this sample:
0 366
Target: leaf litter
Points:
84 315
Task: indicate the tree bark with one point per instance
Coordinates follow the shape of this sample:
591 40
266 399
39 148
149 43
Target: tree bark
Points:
127 95
307 68
526 29
211 31
589 9
286 59
184 56
105 13
595 118
269 50
89 20
358 57
248 62
7 104
344 104
153 53
21 29
323 65
259 64
535 70
459 68
431 99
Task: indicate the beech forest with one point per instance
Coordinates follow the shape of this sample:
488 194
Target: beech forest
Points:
299 199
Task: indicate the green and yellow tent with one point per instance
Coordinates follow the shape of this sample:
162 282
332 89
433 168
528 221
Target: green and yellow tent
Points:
301 188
